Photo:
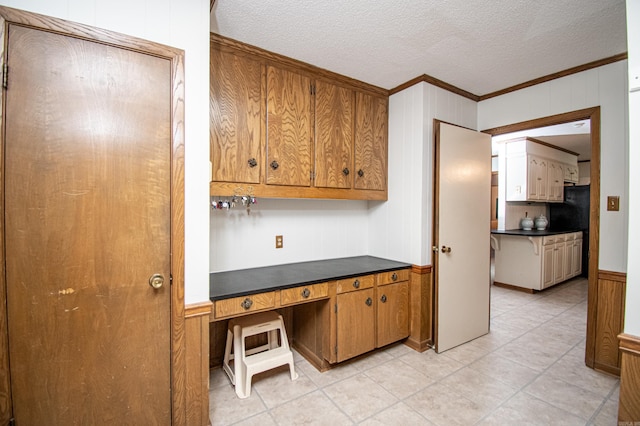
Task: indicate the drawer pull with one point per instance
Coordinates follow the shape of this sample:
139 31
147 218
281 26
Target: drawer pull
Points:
394 276
252 162
368 302
345 171
246 303
383 299
361 173
274 165
306 293
356 284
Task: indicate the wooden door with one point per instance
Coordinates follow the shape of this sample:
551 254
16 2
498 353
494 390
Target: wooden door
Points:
236 117
393 313
355 323
289 128
334 136
87 211
371 142
461 235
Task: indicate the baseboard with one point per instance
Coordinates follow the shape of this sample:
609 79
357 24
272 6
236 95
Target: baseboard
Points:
419 346
514 287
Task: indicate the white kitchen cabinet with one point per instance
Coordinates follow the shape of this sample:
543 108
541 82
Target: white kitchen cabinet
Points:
571 173
536 171
537 263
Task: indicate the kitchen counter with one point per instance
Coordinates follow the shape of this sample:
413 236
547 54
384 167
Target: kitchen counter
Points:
243 282
533 232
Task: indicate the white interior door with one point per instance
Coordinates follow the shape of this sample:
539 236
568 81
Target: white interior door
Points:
461 235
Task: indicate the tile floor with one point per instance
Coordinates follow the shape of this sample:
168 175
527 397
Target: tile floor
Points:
528 370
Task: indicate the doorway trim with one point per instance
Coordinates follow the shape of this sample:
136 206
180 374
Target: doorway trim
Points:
592 114
176 58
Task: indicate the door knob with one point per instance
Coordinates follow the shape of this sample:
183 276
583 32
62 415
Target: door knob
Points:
445 249
435 249
156 281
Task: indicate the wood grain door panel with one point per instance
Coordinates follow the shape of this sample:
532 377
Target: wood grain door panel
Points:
355 324
371 142
236 117
393 313
87 209
334 136
289 128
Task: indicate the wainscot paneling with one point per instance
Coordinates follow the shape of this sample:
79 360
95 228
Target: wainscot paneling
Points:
420 308
629 404
609 321
197 362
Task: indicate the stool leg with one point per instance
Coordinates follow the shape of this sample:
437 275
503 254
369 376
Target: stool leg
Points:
273 339
228 356
239 364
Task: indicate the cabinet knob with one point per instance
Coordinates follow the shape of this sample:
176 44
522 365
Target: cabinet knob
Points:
345 171
360 173
394 276
274 165
368 302
356 284
246 303
383 299
252 162
306 293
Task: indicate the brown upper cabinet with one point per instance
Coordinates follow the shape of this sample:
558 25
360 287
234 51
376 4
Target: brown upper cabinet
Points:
284 129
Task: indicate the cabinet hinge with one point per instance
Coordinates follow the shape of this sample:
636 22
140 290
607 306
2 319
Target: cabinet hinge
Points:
335 350
335 308
5 75
170 279
312 89
12 422
312 175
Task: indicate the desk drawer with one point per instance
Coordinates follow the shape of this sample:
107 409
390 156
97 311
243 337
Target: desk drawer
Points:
303 293
353 284
244 304
393 276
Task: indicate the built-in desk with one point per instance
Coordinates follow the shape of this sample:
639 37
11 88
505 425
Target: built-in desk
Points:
360 303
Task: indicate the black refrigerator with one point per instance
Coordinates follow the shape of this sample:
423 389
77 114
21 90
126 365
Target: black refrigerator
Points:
573 215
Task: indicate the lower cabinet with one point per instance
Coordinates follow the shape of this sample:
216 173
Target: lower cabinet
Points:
370 312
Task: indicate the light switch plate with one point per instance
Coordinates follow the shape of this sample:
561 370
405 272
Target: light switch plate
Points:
613 203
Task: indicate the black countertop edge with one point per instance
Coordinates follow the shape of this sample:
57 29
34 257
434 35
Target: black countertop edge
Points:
533 232
244 282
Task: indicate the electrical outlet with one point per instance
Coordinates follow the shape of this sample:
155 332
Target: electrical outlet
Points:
278 241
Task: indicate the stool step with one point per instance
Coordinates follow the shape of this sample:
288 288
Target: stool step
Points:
272 356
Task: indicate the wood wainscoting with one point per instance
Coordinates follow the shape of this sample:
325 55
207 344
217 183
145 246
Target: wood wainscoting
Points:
607 317
197 362
421 308
629 404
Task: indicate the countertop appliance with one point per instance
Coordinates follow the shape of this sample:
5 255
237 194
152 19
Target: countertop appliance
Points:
573 214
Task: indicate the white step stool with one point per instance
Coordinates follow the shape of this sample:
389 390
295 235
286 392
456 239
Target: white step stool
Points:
247 363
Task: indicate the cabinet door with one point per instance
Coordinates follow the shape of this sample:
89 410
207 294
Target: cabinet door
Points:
547 266
558 262
355 323
536 178
236 117
393 313
289 128
577 257
556 181
371 142
334 136
568 260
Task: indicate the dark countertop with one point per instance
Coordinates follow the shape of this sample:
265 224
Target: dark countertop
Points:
224 285
532 233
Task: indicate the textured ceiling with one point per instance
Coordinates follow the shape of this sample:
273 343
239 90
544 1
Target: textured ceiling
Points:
478 46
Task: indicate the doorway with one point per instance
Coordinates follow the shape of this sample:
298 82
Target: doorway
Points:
593 115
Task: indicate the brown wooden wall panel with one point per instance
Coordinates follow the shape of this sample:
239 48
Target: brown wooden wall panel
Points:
629 403
197 363
609 321
420 309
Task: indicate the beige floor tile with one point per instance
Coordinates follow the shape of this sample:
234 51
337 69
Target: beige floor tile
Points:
434 366
263 419
573 370
398 378
359 397
523 409
534 352
217 378
505 370
468 352
398 350
278 388
226 408
484 390
571 398
443 406
399 414
372 360
608 414
312 409
336 374
559 332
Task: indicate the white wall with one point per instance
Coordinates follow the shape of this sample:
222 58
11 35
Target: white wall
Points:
311 229
183 24
401 228
606 87
632 319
